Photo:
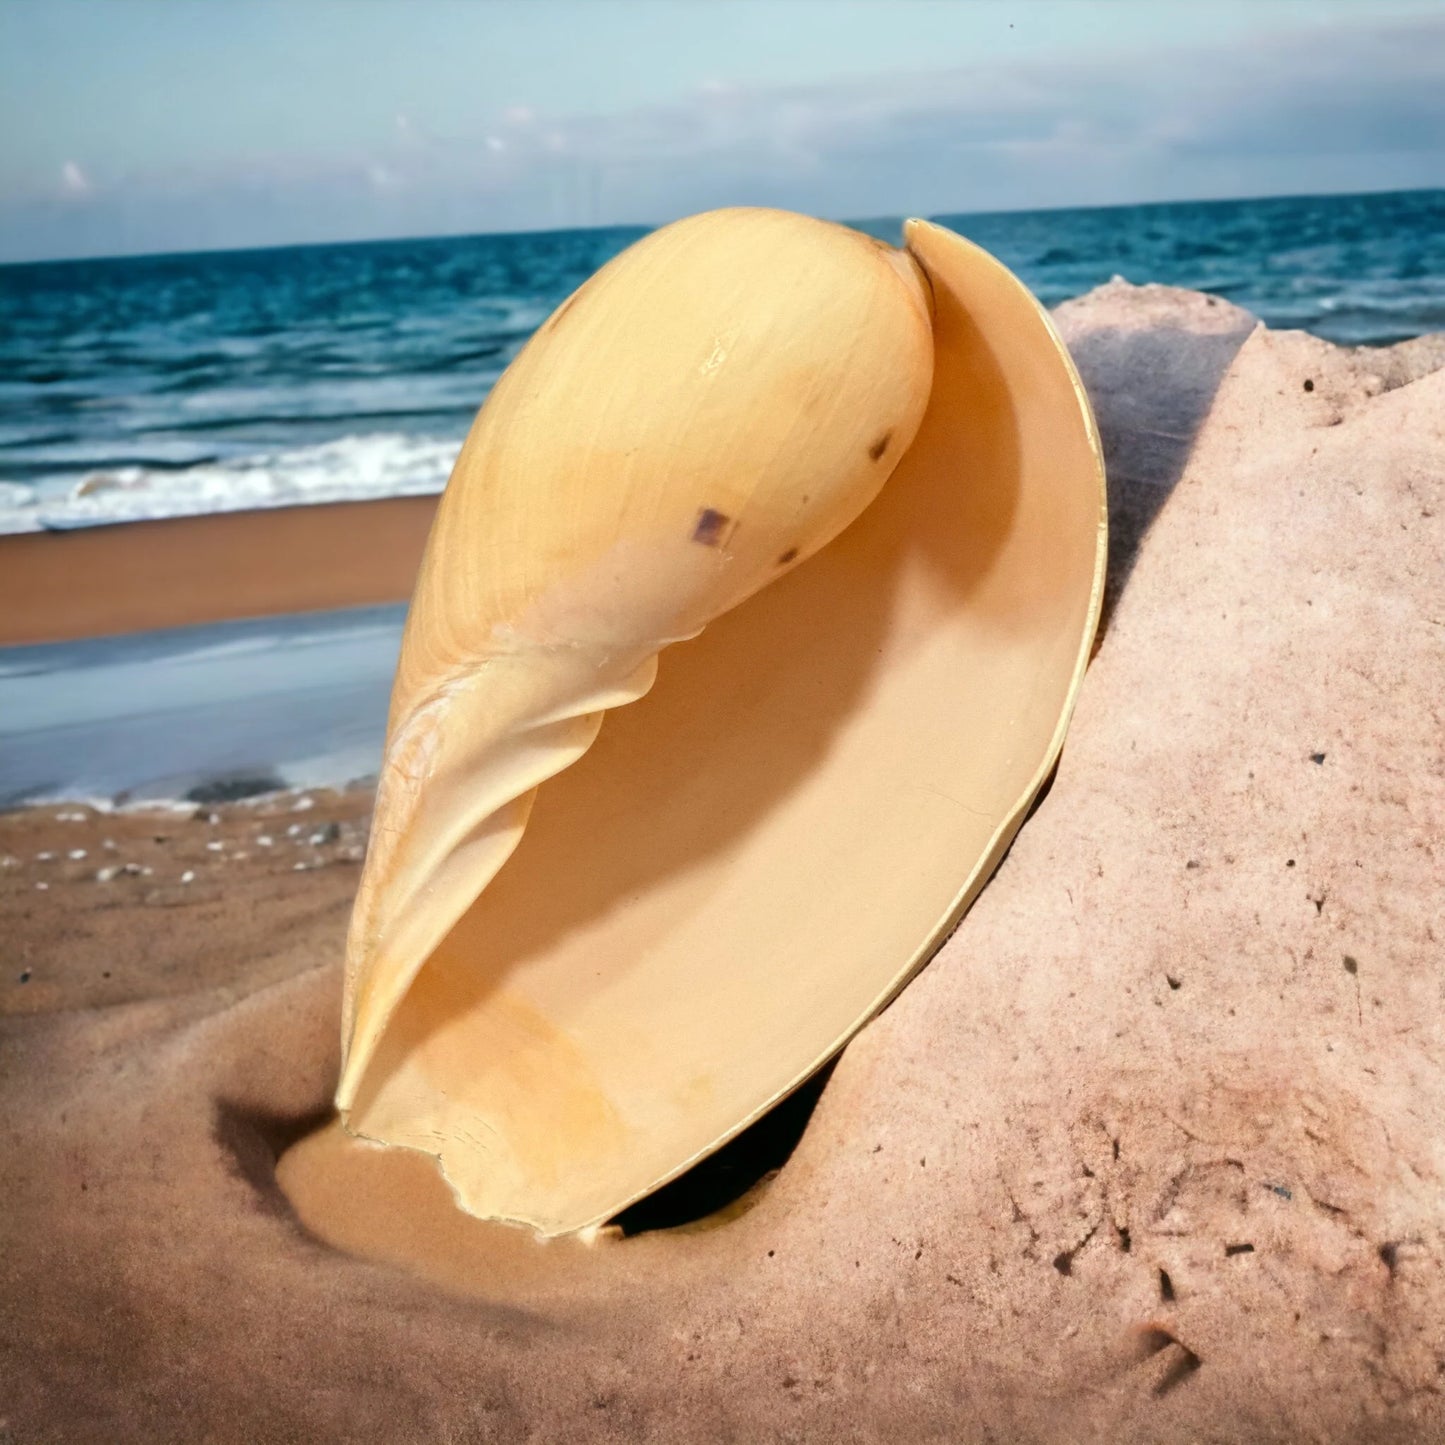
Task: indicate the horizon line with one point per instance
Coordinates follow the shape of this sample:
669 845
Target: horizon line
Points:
646 226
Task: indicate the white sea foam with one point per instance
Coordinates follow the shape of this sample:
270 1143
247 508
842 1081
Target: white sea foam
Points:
350 468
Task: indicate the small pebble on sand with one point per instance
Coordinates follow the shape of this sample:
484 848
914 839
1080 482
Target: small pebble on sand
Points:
188 876
76 854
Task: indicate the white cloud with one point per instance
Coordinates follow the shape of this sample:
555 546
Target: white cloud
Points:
1300 110
1328 109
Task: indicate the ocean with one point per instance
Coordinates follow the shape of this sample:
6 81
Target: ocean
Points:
163 385
171 384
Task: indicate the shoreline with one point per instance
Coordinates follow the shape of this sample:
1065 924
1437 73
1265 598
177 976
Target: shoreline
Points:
211 712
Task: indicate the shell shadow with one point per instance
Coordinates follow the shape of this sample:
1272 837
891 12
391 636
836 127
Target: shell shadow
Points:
1151 390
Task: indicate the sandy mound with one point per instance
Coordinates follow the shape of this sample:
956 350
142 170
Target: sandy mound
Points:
1153 1150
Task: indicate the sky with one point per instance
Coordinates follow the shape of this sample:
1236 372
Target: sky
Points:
161 125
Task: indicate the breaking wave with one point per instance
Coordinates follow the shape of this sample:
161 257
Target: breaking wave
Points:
350 468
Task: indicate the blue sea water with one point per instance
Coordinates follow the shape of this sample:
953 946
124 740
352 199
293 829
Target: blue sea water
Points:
171 384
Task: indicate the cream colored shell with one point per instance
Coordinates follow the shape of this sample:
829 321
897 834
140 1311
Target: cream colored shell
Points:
746 866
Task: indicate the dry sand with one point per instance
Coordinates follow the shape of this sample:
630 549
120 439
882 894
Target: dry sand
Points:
1154 1150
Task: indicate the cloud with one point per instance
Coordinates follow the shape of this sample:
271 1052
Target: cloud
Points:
1333 109
1327 108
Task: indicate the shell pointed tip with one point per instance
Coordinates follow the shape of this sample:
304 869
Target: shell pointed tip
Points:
915 227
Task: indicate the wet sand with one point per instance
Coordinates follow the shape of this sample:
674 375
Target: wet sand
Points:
134 576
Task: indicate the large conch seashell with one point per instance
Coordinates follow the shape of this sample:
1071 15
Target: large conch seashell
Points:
745 868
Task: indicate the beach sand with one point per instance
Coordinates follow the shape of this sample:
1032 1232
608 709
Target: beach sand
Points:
1153 1150
134 576
107 909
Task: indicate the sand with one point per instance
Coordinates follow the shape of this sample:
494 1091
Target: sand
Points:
107 909
1154 1150
133 576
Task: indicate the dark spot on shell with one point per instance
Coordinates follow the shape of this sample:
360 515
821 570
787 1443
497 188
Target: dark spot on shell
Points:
1351 966
713 527
787 556
1309 385
880 446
